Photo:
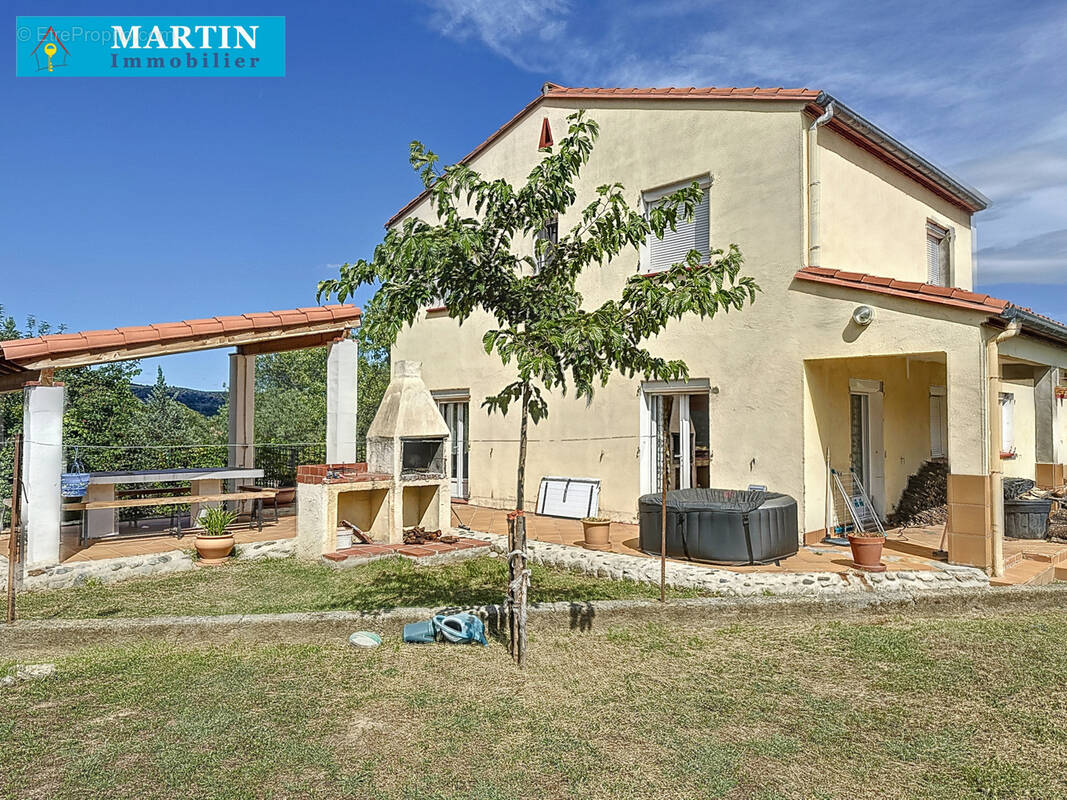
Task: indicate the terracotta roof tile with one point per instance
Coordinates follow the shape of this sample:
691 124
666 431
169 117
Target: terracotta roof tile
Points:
139 334
20 351
941 291
875 280
958 298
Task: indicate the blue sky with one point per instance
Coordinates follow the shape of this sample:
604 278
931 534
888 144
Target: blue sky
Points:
132 200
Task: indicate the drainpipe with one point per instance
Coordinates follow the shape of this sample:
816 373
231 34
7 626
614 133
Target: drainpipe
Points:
996 471
813 185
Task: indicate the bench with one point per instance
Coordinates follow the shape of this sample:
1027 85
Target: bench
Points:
172 500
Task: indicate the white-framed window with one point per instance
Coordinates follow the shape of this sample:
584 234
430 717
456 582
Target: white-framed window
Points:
1007 422
454 405
938 422
675 415
550 236
694 234
938 255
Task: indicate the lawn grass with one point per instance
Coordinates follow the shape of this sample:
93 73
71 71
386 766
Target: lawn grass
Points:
283 585
919 708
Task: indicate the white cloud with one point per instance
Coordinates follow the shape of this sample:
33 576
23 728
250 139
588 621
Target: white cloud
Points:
979 91
1038 259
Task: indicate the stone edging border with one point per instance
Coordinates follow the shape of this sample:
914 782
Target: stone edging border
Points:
726 583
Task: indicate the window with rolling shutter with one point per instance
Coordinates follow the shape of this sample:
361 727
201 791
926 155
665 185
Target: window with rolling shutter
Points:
691 234
937 255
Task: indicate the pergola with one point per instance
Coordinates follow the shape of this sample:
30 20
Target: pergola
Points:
29 364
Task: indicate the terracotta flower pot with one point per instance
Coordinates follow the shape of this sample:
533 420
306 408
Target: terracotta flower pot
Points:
596 534
214 549
867 552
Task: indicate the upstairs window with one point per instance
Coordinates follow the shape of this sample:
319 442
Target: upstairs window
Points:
550 236
692 234
938 255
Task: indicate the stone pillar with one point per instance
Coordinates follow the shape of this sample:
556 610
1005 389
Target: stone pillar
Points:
242 410
970 540
42 465
342 374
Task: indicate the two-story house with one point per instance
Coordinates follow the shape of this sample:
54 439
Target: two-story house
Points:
866 348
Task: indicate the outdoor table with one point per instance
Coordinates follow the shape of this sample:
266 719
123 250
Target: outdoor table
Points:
101 522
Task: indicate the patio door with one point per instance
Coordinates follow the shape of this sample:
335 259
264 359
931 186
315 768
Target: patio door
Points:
866 441
456 414
684 418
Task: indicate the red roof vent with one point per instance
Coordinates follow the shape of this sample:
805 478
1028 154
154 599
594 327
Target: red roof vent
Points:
546 135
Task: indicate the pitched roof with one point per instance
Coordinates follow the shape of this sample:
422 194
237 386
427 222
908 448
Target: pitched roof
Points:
846 121
682 92
138 341
949 296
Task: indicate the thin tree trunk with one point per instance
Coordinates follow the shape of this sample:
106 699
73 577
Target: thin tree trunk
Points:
665 414
517 578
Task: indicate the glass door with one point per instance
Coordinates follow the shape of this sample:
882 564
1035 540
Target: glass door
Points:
684 418
456 416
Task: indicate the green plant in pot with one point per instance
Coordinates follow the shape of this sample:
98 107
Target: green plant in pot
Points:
214 542
866 549
596 532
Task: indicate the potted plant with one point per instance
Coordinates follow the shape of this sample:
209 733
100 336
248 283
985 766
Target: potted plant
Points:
214 542
596 532
867 550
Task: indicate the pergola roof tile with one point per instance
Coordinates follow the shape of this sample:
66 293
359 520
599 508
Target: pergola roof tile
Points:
19 352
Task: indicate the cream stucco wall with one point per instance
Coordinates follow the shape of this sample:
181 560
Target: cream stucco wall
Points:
874 218
759 405
1022 465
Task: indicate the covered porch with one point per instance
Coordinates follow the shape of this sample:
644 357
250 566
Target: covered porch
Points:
55 528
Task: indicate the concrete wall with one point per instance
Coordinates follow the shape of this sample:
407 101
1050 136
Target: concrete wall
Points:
874 218
755 359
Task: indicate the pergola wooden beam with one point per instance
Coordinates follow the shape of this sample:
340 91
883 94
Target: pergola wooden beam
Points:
14 381
288 343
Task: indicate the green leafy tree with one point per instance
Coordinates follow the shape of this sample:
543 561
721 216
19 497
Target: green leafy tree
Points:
291 394
473 257
291 397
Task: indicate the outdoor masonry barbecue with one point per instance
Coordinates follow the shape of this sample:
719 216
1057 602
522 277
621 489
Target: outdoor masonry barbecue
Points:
403 484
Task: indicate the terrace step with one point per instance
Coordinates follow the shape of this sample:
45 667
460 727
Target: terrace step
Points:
363 552
1028 573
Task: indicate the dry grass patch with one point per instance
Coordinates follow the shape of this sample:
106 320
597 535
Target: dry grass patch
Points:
957 708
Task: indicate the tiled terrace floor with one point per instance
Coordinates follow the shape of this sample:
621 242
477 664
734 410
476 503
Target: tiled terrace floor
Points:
908 549
915 552
151 539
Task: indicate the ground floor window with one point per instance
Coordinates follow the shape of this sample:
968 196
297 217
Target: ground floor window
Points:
683 419
1007 422
457 414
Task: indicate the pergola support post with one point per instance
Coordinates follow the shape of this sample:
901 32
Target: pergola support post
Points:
42 466
342 373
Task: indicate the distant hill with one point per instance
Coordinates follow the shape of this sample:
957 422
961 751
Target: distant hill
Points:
206 403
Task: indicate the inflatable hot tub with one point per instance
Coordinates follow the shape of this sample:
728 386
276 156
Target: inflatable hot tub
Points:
723 526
